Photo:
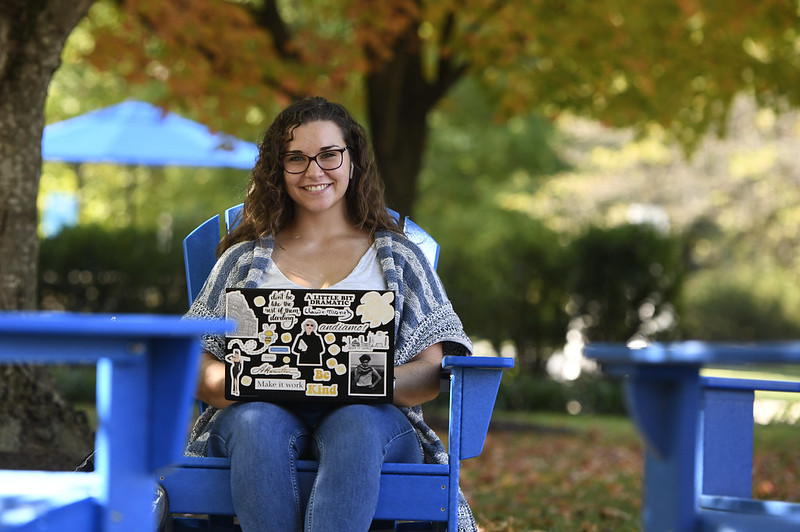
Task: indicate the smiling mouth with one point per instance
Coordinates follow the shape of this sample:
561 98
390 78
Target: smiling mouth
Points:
316 188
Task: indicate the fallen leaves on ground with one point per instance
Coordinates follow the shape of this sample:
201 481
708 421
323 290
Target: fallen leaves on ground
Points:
528 480
535 478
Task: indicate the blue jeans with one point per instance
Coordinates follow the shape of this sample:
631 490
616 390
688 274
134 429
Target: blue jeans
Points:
264 441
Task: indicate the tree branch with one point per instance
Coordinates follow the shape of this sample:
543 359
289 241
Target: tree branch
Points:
269 18
449 72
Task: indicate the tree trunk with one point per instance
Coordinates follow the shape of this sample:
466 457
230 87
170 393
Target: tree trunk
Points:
397 117
36 425
399 99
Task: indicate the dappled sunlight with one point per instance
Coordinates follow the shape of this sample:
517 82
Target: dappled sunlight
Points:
610 168
568 363
733 203
482 347
766 411
753 163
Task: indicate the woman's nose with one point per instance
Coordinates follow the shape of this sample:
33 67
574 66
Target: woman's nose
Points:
314 168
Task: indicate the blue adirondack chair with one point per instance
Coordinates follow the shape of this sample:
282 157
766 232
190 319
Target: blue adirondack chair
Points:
417 494
143 363
698 432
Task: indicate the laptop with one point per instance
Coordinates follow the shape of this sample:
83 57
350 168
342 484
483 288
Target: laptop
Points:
310 345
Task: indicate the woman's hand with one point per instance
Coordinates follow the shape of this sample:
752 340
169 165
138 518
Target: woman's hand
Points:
417 381
211 384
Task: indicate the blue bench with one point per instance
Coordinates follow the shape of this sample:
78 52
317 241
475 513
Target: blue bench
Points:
698 433
146 376
425 493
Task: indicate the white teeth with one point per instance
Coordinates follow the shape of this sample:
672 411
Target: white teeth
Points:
315 188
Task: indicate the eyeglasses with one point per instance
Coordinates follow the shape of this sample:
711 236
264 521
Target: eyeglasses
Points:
297 163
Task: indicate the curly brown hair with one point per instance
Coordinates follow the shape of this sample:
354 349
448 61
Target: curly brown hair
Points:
268 207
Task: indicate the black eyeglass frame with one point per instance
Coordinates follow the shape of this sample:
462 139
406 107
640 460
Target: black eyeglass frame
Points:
314 158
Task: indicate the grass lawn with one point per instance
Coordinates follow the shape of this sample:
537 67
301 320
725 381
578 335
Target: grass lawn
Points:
583 473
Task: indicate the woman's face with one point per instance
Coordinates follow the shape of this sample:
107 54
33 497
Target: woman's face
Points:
316 190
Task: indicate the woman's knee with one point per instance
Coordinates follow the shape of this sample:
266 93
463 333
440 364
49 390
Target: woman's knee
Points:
246 416
363 427
363 416
256 424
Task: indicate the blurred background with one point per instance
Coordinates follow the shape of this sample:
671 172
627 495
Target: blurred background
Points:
584 183
593 171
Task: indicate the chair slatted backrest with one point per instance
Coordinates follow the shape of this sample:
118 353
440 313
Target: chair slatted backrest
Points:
199 247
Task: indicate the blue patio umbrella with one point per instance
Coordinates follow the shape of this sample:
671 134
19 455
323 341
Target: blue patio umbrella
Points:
138 133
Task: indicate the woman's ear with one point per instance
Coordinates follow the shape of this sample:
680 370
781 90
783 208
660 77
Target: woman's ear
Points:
351 169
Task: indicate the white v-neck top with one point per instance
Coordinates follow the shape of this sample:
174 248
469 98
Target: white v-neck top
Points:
367 275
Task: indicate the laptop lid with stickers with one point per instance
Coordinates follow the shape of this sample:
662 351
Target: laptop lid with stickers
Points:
310 345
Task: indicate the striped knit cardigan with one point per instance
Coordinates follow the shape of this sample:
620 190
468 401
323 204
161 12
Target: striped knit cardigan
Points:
423 314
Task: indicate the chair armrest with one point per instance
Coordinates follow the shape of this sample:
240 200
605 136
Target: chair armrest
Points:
450 362
726 383
473 390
